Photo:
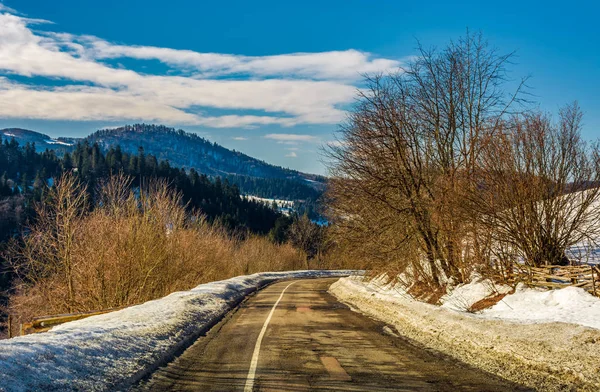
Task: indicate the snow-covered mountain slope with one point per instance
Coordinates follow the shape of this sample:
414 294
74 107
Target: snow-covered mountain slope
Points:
42 141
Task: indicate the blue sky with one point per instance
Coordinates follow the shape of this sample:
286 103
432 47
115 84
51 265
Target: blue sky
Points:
269 78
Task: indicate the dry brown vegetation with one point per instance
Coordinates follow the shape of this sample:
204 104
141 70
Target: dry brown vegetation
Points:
440 172
131 247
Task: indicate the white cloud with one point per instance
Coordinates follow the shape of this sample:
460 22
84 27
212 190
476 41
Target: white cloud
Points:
347 64
292 155
4 8
241 138
290 89
336 143
291 137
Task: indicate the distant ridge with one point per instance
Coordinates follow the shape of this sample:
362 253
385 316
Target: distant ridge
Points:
42 141
188 150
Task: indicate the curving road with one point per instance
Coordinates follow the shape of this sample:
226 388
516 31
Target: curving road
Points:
294 336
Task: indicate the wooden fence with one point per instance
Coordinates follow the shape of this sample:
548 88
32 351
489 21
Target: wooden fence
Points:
585 276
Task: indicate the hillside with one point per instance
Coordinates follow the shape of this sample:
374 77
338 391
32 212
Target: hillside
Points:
42 141
188 150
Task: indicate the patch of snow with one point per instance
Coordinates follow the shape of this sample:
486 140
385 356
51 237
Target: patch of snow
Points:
543 355
9 134
283 206
584 253
112 350
54 141
463 296
280 202
571 305
568 305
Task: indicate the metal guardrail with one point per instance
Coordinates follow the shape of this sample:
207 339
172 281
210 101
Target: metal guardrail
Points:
44 323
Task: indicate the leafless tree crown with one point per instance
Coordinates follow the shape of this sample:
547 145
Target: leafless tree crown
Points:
419 177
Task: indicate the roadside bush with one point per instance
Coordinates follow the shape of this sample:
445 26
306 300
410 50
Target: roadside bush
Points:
133 246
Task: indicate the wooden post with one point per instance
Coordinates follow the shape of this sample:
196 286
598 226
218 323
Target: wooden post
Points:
593 281
9 326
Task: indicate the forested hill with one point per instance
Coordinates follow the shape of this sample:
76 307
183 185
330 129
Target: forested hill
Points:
26 175
188 150
42 142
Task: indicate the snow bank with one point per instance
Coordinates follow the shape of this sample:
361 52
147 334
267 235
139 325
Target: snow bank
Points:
550 356
113 350
462 297
527 305
568 305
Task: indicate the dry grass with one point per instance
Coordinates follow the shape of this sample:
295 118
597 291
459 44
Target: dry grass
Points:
130 249
426 293
485 303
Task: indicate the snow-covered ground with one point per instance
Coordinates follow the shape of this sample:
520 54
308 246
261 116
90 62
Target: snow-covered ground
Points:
112 350
284 206
548 340
528 305
568 305
280 202
56 141
585 253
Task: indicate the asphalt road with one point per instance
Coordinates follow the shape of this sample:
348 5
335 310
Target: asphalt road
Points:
310 342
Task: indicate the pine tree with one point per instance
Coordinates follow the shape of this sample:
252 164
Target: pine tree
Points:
141 161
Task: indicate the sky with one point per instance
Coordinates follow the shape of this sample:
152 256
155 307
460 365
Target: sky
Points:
272 79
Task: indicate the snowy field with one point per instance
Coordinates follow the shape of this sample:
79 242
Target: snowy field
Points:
284 206
113 350
546 339
280 202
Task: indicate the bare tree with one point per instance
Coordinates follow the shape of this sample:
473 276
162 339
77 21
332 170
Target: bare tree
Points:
411 148
307 236
132 246
49 247
113 194
539 191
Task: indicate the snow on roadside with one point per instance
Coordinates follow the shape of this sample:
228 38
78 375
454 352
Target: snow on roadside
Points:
529 305
462 297
550 356
111 350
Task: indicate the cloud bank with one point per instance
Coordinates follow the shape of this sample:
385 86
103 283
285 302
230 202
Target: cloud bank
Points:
291 137
75 79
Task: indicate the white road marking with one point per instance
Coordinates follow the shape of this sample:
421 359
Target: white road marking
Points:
252 371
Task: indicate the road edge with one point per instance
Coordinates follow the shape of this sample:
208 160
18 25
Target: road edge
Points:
504 354
179 348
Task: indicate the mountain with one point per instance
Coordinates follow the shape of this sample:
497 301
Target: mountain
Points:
42 141
188 150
